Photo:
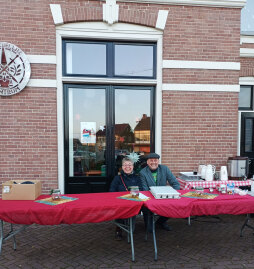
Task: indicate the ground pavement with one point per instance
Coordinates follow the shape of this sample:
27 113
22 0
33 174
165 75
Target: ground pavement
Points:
205 245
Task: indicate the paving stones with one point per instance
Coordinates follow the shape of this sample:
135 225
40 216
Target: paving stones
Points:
207 244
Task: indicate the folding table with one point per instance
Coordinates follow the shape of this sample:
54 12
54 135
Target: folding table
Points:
186 207
88 208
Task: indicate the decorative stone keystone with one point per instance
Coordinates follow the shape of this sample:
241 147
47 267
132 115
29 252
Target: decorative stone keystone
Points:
110 12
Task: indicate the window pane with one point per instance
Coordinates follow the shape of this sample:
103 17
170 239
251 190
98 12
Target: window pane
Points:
248 135
87 135
132 125
247 18
134 60
245 97
86 59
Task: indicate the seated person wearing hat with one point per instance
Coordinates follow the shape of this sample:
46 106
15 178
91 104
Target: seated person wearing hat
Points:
155 174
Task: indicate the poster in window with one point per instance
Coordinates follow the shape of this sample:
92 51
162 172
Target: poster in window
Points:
88 132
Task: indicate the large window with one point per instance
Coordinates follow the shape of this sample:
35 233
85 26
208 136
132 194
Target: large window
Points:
109 59
247 18
246 98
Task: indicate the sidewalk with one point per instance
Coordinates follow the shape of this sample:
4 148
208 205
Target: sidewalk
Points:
204 244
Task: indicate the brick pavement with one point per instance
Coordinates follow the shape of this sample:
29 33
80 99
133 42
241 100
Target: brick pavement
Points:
204 245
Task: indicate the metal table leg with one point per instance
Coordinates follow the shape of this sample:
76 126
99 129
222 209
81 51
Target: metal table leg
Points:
129 230
11 233
245 224
154 239
132 244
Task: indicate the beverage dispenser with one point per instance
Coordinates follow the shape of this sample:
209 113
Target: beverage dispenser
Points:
238 167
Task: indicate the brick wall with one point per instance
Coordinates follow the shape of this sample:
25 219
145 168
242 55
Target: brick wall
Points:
247 67
28 133
28 140
198 127
247 63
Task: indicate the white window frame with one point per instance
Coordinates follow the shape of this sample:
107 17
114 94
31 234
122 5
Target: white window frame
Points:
103 31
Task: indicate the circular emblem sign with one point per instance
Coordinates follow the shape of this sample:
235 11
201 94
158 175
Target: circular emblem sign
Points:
15 69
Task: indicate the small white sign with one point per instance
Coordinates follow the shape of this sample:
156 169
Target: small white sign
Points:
88 132
6 189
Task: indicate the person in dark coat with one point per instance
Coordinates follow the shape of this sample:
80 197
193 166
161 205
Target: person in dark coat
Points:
156 174
122 182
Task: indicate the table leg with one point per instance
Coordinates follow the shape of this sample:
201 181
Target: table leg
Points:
245 224
1 235
154 239
132 244
128 228
11 233
14 238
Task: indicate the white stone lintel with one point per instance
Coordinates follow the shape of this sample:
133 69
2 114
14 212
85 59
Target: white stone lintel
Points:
42 59
201 87
209 3
42 83
110 12
56 12
162 19
178 64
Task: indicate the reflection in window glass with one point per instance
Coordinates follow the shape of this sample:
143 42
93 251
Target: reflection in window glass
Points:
87 133
134 60
132 125
248 135
245 97
86 59
247 18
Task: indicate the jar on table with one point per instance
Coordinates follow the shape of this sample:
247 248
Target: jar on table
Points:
134 190
56 194
223 188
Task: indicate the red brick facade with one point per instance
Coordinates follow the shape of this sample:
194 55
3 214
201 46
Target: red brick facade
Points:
192 122
247 63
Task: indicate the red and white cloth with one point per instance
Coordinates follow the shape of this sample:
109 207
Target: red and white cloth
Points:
185 185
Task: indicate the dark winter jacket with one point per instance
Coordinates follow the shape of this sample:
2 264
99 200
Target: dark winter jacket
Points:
164 175
129 180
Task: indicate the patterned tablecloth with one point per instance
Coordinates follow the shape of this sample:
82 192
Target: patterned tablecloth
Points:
185 185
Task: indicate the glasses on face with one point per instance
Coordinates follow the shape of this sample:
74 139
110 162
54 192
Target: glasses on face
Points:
127 165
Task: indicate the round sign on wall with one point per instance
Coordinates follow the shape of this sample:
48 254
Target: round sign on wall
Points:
15 69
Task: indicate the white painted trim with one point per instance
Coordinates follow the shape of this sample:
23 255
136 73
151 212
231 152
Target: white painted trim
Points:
110 12
246 80
162 19
246 52
56 12
110 81
101 30
201 65
210 3
201 87
118 31
42 59
60 113
247 39
42 83
239 133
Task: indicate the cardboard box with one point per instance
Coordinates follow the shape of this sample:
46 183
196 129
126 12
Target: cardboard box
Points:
12 191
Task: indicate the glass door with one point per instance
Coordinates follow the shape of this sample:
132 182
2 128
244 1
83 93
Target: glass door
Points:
102 125
133 125
247 139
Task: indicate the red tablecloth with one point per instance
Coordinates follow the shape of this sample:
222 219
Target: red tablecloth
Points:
89 208
224 204
173 208
185 207
184 184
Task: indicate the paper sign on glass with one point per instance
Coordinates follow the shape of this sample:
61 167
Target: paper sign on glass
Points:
88 132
